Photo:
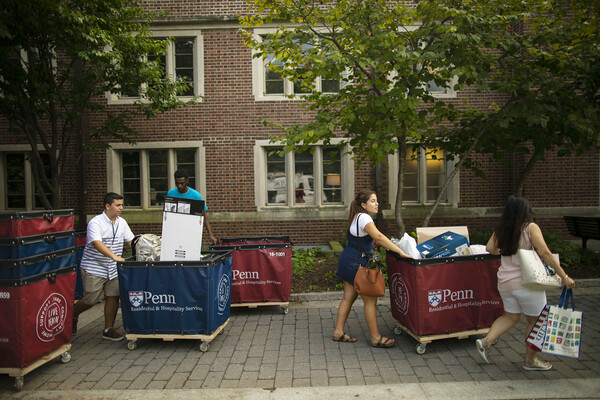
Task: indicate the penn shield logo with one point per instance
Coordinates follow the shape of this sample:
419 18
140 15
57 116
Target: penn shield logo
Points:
435 297
136 298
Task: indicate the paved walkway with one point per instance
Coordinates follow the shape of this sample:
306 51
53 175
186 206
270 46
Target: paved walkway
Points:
264 354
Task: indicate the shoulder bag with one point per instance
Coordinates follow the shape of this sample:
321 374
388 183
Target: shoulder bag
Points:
368 282
535 273
563 332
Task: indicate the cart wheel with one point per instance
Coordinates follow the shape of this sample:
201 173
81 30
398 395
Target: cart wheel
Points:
397 330
204 347
65 357
421 348
19 381
132 345
285 310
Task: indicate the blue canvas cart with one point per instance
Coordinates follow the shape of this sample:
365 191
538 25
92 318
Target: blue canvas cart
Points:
176 299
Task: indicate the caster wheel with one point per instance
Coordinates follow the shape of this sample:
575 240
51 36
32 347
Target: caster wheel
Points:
397 330
421 348
204 347
132 345
19 381
285 310
65 357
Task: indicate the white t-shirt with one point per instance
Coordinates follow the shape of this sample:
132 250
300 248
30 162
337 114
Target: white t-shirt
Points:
363 221
113 236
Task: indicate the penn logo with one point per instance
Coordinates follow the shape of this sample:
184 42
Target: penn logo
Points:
435 297
136 298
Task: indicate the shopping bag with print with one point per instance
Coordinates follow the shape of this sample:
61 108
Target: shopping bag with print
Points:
563 330
535 339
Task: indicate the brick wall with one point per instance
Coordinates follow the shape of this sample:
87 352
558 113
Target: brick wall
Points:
228 121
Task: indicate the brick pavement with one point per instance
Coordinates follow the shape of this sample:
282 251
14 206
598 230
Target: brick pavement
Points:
263 348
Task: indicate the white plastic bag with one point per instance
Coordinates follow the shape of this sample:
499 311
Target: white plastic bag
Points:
409 245
478 249
148 247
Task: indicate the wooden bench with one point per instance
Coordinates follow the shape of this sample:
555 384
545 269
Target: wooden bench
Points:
584 227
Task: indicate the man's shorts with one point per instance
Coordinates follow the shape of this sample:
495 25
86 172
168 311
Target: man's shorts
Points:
95 288
526 301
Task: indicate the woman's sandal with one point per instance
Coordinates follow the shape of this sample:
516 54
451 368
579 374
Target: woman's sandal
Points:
344 337
536 365
387 343
483 349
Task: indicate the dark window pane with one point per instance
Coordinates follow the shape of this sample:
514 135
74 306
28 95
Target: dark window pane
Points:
304 178
330 86
184 63
276 178
186 159
131 178
15 180
37 199
159 180
332 175
299 88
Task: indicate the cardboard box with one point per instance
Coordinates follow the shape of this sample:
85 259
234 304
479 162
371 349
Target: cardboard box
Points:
426 233
444 245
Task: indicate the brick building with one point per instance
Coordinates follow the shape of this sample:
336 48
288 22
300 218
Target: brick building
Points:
252 191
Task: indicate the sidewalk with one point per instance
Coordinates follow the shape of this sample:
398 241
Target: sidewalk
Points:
264 354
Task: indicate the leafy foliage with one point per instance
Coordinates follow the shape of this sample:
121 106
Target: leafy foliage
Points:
59 59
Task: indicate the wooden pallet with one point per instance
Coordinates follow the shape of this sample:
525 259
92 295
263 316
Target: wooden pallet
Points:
19 373
283 304
168 337
424 339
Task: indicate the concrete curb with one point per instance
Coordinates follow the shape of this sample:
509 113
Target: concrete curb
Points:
554 389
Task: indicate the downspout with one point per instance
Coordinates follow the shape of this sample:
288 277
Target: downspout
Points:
379 219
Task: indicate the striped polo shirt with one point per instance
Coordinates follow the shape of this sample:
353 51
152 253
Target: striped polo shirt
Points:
113 236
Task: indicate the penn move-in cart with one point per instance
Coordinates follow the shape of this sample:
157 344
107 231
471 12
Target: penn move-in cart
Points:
37 284
261 271
36 314
172 300
442 298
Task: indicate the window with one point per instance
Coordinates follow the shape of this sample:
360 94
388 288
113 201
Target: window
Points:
424 176
19 192
184 60
271 85
145 171
322 177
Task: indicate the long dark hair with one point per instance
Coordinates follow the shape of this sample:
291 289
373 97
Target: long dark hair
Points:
356 205
516 216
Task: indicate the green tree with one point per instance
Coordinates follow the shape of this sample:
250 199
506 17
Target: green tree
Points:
548 69
58 58
387 56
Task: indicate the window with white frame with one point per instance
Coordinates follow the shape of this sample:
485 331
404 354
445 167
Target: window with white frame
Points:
19 191
184 61
271 85
424 176
321 176
143 173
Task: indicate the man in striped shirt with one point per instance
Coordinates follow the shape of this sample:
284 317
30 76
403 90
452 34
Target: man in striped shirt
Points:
106 235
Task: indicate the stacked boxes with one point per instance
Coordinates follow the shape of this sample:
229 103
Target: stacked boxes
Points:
37 284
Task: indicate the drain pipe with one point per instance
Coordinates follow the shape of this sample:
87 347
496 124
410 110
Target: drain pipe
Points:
379 219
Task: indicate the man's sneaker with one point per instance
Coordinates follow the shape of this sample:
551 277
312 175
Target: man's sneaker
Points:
113 335
74 326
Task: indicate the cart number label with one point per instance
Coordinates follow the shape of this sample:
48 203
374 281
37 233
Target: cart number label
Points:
277 254
5 295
